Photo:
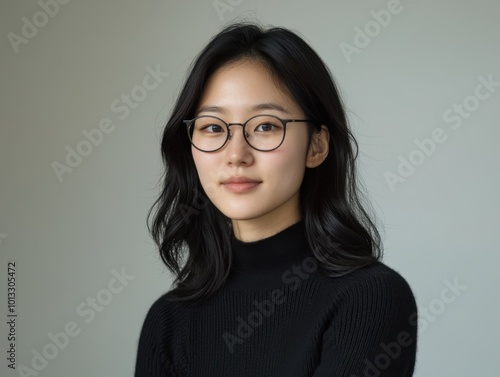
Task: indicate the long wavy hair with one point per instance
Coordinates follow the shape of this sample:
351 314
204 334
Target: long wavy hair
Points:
193 236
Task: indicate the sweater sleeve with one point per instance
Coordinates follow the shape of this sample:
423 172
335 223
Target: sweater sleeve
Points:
373 329
157 347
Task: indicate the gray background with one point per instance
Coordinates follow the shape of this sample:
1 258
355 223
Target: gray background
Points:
68 234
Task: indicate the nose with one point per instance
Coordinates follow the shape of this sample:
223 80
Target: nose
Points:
242 139
238 151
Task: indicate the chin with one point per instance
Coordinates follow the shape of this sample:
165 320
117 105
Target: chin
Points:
242 214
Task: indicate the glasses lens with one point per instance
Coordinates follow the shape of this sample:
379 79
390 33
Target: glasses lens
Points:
264 132
208 133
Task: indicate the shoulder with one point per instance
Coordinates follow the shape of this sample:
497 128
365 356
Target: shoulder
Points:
163 310
375 278
160 319
372 308
376 288
160 340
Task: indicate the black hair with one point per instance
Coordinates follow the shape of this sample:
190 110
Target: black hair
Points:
193 236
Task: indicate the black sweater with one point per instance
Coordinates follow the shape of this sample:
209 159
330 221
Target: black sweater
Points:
278 315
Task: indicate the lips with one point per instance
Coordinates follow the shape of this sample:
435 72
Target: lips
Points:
240 184
240 179
241 187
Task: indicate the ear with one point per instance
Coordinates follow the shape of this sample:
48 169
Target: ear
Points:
318 149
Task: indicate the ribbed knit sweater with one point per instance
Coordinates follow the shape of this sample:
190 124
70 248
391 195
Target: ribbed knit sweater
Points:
278 315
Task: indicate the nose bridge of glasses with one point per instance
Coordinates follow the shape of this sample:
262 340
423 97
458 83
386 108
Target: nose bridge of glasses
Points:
235 124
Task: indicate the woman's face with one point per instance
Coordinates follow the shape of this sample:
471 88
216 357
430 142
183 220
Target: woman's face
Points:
234 93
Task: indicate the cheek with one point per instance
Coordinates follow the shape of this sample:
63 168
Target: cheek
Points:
202 164
206 169
284 172
197 159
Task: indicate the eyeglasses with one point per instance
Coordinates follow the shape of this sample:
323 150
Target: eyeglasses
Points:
262 132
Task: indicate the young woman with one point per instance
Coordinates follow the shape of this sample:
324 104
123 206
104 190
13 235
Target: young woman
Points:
277 265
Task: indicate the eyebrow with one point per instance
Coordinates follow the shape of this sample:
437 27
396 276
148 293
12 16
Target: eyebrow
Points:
261 106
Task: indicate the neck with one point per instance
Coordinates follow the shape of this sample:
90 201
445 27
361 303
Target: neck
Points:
262 263
287 214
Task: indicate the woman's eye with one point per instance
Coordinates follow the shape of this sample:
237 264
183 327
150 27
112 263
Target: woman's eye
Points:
266 127
212 127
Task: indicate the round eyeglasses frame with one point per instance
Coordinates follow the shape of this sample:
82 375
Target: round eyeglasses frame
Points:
190 122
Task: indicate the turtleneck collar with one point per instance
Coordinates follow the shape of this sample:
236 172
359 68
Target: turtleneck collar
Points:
262 263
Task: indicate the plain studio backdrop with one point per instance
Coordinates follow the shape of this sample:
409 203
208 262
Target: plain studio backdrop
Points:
87 88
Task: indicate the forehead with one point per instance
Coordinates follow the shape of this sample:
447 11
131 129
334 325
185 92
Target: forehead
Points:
245 85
